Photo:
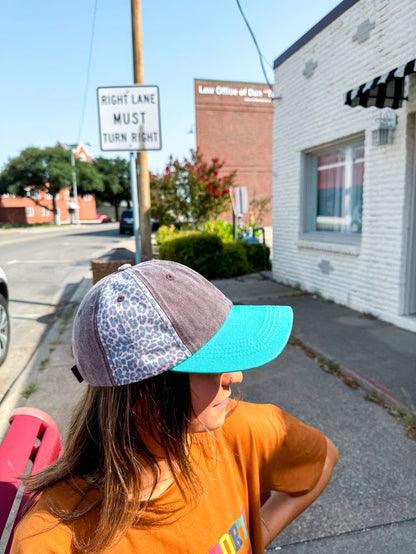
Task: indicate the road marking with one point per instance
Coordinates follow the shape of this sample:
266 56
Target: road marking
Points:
29 316
43 261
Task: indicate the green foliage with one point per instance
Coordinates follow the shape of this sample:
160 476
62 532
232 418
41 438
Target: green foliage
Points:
258 257
115 174
192 190
207 254
258 209
48 169
220 228
233 261
165 232
199 251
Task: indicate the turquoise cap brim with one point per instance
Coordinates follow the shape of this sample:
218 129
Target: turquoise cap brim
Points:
251 336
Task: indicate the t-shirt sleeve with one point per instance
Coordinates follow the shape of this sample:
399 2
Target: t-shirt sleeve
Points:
39 533
291 455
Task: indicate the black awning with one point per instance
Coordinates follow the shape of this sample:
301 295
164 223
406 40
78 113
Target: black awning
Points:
385 91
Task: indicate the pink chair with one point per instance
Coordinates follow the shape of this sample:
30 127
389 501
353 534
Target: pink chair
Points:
31 444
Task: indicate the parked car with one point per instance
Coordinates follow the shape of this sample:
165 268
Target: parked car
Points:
127 223
4 317
104 218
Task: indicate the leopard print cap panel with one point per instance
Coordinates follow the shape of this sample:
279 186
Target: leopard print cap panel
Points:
138 338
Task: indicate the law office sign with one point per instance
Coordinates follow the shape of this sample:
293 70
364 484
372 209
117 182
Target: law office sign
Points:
129 118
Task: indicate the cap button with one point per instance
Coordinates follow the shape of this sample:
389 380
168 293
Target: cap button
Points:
123 267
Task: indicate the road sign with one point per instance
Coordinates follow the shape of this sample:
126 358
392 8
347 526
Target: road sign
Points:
129 118
241 201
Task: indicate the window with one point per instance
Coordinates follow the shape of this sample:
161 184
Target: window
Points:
67 195
87 197
48 196
30 212
334 189
44 212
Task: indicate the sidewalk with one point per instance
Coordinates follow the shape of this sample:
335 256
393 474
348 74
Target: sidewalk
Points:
370 506
376 355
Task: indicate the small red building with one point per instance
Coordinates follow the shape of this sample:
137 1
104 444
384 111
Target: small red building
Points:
37 207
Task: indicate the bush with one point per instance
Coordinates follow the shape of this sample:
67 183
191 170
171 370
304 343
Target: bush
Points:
164 233
233 261
207 254
257 258
199 251
220 228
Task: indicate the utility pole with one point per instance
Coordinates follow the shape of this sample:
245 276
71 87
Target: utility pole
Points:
143 183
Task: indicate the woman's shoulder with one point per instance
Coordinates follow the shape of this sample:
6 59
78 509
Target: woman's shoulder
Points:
252 421
251 413
41 526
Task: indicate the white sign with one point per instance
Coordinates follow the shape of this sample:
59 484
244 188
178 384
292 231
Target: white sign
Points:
248 94
129 118
241 201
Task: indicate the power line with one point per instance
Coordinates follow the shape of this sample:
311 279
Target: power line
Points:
261 57
84 104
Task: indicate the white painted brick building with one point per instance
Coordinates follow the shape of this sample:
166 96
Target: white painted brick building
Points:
344 209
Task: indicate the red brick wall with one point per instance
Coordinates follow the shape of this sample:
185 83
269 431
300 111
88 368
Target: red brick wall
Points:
234 123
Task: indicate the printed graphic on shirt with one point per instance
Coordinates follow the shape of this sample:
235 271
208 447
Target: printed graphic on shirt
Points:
233 539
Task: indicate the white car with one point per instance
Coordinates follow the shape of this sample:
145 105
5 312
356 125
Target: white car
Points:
4 316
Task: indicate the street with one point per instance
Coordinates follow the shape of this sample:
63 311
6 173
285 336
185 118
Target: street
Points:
44 267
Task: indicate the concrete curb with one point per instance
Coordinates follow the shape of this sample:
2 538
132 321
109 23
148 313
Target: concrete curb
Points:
29 374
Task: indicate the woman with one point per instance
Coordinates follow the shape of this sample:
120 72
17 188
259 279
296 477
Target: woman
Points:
158 457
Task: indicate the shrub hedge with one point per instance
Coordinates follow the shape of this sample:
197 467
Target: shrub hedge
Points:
233 261
199 251
257 256
214 259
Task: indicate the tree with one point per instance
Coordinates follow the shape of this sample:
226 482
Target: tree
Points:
48 170
192 190
115 174
258 209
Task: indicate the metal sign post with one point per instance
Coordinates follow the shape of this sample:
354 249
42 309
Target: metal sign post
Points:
135 201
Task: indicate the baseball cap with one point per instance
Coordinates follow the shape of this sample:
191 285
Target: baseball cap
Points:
162 316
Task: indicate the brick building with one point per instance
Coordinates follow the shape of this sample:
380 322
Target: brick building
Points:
344 159
37 208
234 123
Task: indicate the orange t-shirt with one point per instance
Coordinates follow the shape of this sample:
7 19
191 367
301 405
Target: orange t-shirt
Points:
259 448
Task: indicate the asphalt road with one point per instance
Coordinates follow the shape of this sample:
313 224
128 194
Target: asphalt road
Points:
44 266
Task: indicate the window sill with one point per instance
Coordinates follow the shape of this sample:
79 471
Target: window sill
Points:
349 245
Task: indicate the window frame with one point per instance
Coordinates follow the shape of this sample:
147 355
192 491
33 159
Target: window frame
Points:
309 195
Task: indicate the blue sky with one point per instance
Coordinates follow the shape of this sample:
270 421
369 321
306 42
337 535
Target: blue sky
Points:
45 50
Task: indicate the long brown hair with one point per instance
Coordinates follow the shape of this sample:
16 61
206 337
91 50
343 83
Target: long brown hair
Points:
108 441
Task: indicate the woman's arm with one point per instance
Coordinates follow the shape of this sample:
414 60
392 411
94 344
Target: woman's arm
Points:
281 508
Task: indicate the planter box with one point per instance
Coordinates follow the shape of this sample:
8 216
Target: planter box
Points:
104 265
